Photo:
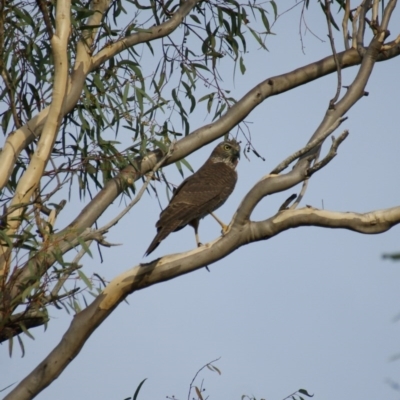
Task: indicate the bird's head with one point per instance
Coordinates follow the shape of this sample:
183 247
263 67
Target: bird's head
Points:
227 151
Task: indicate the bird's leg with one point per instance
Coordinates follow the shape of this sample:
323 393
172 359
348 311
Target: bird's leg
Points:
223 226
195 224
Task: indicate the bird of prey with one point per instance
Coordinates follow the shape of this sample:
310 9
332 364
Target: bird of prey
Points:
201 193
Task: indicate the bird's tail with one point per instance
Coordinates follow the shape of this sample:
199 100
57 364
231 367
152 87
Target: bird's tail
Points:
161 235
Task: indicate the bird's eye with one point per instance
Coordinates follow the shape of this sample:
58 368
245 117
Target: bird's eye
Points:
227 147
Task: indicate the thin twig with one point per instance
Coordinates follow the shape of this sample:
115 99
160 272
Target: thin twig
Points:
3 69
391 45
46 17
197 373
331 39
305 184
139 195
286 203
345 22
331 154
66 275
285 163
361 25
55 299
301 195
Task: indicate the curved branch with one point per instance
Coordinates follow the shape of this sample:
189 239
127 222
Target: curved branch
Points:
373 222
21 322
331 154
148 35
34 172
270 87
84 64
172 266
60 245
266 186
287 161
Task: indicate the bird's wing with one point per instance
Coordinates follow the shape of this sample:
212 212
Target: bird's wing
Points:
200 194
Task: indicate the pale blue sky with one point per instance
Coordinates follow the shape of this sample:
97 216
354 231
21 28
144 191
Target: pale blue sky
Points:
312 308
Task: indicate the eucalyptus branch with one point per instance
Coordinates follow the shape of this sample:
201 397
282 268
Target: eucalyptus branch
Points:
145 35
84 64
184 146
279 84
53 299
332 41
172 266
301 194
140 193
39 263
375 8
3 70
387 14
273 184
46 17
311 145
391 45
364 7
285 204
31 177
10 90
67 273
23 321
356 16
331 154
197 373
345 24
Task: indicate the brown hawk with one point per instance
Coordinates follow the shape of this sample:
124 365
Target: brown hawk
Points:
201 193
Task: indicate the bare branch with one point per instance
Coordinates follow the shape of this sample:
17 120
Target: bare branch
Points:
301 194
286 203
147 35
84 64
387 14
375 8
331 154
65 276
33 173
364 7
332 41
3 70
197 373
285 163
28 320
46 17
266 186
356 16
140 193
169 267
273 184
345 23
391 45
206 134
38 264
373 222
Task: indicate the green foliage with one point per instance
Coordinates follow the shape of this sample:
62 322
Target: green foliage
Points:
136 394
121 96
